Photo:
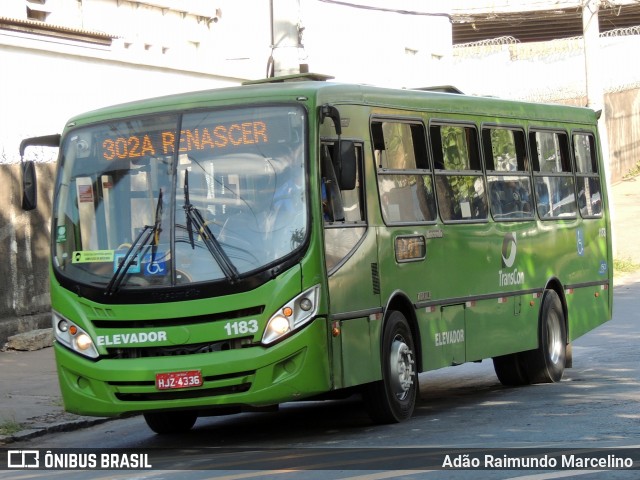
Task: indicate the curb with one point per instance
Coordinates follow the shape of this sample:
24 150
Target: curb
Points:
64 426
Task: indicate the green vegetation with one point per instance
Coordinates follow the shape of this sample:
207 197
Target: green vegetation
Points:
9 427
633 172
624 265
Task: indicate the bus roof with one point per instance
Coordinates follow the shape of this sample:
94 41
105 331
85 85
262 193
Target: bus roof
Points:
321 92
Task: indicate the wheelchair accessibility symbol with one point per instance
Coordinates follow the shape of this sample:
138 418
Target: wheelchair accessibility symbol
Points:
157 267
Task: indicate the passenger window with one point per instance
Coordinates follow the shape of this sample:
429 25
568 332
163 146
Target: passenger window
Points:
460 184
553 178
507 174
588 180
404 178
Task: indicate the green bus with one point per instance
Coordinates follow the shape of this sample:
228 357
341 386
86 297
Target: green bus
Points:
221 251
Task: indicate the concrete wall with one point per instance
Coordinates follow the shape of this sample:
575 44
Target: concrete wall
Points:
623 126
24 250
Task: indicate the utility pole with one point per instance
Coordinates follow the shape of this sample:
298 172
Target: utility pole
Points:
286 38
595 89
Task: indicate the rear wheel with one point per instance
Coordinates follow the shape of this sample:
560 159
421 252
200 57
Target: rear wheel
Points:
170 422
393 398
509 370
546 363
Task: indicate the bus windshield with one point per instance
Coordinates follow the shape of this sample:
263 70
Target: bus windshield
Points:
180 198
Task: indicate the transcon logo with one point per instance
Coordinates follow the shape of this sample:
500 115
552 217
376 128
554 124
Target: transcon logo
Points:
509 251
513 277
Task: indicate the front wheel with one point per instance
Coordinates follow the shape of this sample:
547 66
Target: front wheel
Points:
179 421
393 399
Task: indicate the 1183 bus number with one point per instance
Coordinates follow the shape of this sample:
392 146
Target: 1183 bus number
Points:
241 328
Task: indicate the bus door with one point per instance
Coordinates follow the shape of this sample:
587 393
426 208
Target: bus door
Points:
351 263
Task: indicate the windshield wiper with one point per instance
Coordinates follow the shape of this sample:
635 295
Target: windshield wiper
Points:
141 241
194 217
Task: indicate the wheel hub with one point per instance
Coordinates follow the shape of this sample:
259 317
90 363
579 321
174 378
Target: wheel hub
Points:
402 372
554 339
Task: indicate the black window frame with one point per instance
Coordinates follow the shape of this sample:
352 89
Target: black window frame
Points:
441 174
542 178
421 170
523 170
593 175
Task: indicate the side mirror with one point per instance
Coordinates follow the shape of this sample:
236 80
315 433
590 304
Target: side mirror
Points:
344 155
29 186
345 166
28 169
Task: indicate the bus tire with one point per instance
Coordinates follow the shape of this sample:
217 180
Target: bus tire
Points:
393 399
546 363
179 421
509 370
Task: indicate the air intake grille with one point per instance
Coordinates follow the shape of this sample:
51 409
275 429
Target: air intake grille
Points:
375 279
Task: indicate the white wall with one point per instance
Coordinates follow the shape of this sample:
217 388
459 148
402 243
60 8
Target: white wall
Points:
41 90
549 71
45 80
379 47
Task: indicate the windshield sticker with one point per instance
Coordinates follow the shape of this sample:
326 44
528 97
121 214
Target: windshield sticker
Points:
85 193
61 234
92 256
157 267
134 267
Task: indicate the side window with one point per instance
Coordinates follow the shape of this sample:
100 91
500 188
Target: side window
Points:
404 178
508 177
342 210
587 177
553 179
460 184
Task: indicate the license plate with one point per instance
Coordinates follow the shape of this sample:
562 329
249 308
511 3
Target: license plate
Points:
171 380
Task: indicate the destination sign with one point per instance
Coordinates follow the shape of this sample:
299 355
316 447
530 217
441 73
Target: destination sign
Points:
200 138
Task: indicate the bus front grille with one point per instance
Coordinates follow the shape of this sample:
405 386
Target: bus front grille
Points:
179 350
106 319
182 394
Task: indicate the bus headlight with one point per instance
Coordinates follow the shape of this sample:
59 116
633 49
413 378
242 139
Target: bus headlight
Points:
71 336
296 313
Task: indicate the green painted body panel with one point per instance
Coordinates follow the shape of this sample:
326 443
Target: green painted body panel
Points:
296 368
351 290
461 302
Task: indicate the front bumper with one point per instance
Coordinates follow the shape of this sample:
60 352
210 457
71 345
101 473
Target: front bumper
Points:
293 369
